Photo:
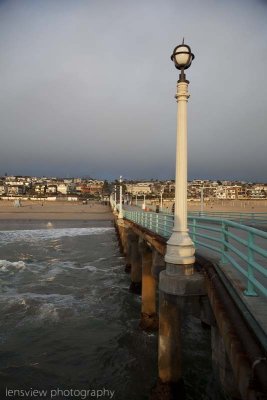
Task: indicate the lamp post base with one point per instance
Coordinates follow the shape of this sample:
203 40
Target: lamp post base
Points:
180 249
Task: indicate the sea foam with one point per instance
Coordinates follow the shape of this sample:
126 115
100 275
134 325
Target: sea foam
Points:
6 266
36 235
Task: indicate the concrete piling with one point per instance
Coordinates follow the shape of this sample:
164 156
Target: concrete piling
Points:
180 287
169 353
169 385
149 319
158 264
136 264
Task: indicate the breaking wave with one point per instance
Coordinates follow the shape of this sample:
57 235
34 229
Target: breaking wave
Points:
44 234
6 266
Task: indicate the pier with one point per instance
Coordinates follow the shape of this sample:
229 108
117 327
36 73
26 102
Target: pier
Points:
225 289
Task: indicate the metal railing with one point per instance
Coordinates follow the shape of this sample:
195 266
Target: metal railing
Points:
241 217
243 247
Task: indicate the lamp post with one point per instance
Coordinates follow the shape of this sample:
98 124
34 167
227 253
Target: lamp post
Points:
136 199
120 210
115 197
202 199
180 248
144 204
161 203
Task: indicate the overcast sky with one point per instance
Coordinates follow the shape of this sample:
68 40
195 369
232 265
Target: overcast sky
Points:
87 87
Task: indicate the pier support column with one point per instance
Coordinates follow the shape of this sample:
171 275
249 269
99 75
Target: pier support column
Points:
136 264
169 356
121 227
158 264
128 234
124 236
177 291
149 319
169 385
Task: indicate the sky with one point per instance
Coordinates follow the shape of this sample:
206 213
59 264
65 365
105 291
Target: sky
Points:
87 88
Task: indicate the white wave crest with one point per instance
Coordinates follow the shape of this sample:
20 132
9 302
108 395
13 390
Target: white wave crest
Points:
6 266
36 235
40 307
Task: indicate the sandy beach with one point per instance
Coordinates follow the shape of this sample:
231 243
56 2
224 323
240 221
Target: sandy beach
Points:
59 210
244 206
63 210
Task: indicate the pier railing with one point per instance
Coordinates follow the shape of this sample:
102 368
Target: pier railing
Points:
241 246
241 217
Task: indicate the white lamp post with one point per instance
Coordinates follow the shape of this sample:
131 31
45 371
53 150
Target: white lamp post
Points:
136 199
144 204
180 248
120 211
161 203
115 197
202 199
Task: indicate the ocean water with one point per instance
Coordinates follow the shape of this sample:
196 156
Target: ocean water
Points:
68 321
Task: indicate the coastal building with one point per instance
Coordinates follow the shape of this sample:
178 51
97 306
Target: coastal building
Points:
140 188
51 189
40 188
91 188
15 190
257 191
62 188
2 189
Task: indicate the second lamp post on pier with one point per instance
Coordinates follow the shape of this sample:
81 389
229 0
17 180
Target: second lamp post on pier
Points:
120 209
161 202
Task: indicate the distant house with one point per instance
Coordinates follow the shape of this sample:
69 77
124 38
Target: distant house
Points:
139 188
62 188
91 188
258 192
40 188
2 189
51 189
15 190
229 192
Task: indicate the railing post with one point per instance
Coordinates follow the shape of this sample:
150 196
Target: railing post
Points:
250 287
157 223
194 231
150 221
165 225
225 241
146 225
